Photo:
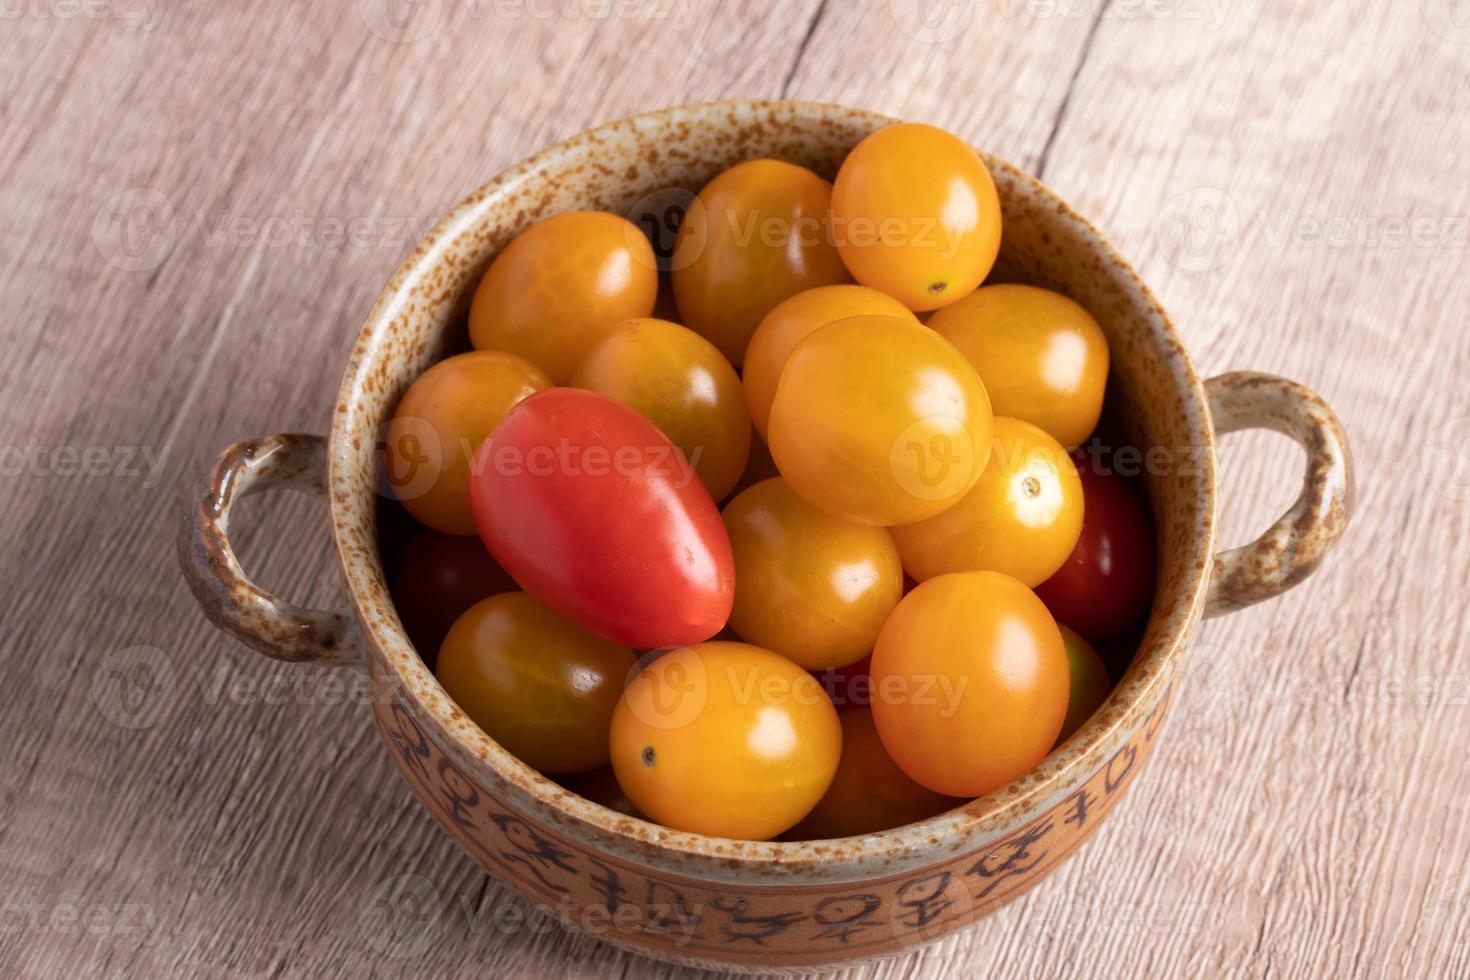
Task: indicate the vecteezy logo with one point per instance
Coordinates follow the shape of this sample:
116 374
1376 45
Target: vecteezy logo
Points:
134 688
1214 695
1450 19
135 230
933 458
1199 230
669 693
932 21
400 917
401 21
412 457
1447 459
658 217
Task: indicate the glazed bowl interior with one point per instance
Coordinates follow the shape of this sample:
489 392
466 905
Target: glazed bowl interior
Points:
636 167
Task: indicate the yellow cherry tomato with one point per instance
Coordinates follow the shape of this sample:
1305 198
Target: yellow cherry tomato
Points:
542 687
969 682
880 420
1022 517
1090 683
870 792
440 422
915 214
755 235
681 383
1043 358
792 320
725 739
812 587
562 285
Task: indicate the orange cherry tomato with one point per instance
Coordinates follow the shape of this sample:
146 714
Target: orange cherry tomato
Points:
970 682
792 320
1090 684
562 285
916 215
1043 358
880 420
725 739
812 587
1022 517
540 686
869 793
440 422
681 383
755 235
436 577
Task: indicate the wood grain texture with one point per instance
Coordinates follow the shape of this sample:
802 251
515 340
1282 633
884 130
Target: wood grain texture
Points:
200 203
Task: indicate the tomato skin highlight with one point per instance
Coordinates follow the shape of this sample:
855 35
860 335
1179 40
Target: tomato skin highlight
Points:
595 512
1106 585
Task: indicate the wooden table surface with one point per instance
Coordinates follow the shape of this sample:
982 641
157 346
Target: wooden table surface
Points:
201 201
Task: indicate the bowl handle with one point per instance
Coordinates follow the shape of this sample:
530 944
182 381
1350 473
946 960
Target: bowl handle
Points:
236 605
1291 549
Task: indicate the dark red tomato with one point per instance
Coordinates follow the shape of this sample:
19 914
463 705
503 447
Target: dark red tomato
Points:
1107 584
594 512
436 578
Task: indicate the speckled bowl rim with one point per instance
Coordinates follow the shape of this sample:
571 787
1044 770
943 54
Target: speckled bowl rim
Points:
916 845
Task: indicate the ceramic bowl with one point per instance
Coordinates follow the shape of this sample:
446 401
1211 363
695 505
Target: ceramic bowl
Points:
739 904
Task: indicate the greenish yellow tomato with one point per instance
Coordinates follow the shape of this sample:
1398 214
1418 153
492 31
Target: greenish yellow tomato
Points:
681 383
1090 683
812 587
755 235
560 286
788 323
1043 358
1022 517
542 687
916 215
880 420
725 739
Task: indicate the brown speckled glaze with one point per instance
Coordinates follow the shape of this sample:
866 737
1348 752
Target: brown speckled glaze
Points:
766 905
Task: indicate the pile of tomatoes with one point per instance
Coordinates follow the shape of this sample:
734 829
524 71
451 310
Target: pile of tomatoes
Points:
845 478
